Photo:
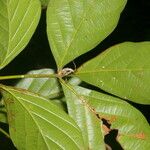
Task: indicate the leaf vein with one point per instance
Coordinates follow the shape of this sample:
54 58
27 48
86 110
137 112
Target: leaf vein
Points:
54 125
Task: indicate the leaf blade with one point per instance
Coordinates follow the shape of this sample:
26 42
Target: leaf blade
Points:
18 22
130 123
133 128
122 70
88 122
52 126
47 87
74 27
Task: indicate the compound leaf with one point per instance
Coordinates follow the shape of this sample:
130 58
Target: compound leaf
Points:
76 26
36 123
122 70
18 20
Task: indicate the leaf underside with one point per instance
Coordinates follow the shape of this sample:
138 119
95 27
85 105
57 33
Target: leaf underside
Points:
18 20
47 87
133 129
36 123
122 70
88 122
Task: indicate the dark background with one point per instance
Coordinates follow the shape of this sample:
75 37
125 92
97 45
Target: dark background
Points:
134 25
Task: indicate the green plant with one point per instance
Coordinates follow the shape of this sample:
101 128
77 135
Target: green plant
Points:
36 108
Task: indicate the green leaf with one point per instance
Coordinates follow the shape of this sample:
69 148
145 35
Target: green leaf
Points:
36 123
44 2
76 26
122 70
3 116
61 103
74 81
3 113
18 20
88 122
134 130
47 87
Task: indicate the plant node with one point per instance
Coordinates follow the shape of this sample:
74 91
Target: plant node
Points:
65 72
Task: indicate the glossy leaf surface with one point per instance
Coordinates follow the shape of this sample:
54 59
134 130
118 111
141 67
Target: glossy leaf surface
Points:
88 122
76 26
123 70
18 20
133 129
47 87
36 123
